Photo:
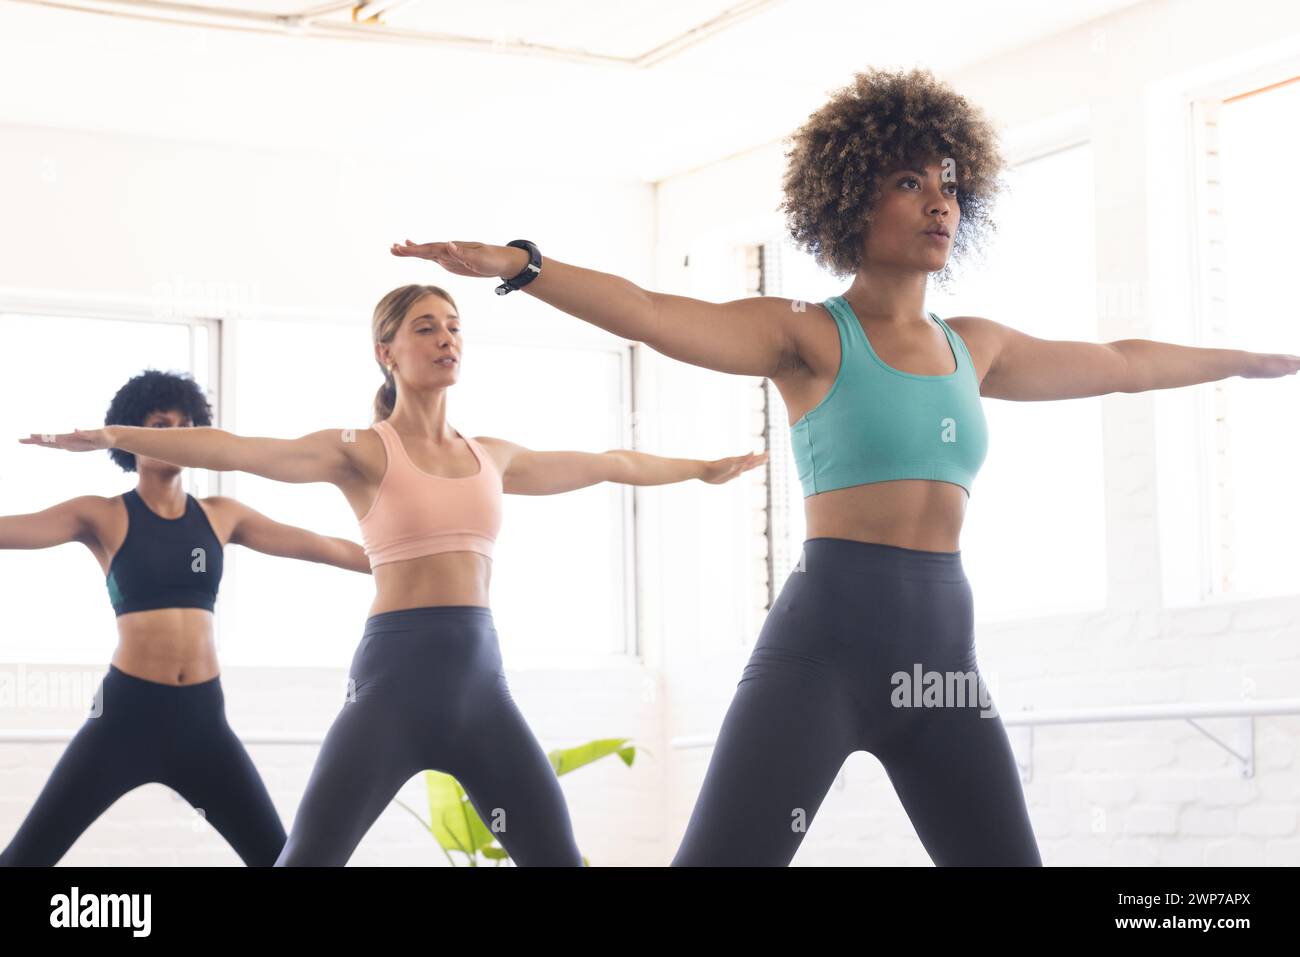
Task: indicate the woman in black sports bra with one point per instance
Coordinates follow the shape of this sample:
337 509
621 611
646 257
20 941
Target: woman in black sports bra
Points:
159 713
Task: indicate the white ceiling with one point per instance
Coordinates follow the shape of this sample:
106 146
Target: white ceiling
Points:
627 90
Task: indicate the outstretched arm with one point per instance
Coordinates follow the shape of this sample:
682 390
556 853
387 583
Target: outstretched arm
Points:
548 473
318 457
57 525
754 336
1025 368
254 530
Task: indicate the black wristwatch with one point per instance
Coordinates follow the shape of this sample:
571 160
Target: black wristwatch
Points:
528 273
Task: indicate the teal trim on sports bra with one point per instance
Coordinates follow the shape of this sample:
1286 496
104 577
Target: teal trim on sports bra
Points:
878 423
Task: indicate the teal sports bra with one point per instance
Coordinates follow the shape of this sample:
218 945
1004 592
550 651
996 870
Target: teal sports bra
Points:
877 424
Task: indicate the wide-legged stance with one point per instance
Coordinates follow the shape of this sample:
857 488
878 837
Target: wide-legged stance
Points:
858 634
427 692
141 732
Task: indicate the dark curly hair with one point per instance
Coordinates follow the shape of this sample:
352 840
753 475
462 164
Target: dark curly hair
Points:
880 122
153 391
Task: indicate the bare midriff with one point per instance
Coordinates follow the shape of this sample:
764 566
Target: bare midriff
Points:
444 578
173 646
909 513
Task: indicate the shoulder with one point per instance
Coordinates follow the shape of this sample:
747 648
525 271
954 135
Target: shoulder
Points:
498 446
812 327
225 513
791 316
95 517
976 324
981 326
362 448
93 509
979 332
89 517
985 339
377 435
501 450
798 310
221 504
88 502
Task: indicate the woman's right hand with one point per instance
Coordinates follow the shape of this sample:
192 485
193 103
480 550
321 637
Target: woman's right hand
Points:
79 440
468 259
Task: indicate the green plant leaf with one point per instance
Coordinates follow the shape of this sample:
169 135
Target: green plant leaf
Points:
446 817
455 823
564 760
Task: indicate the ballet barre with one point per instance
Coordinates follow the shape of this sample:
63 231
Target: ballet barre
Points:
1242 749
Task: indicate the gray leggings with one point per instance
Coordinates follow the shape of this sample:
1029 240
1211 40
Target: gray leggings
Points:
834 671
428 692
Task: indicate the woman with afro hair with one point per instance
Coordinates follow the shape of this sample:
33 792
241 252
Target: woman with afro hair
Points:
870 644
159 713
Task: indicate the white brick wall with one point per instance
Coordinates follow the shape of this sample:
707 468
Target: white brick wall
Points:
616 810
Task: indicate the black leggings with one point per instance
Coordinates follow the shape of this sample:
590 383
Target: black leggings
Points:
140 732
837 658
427 691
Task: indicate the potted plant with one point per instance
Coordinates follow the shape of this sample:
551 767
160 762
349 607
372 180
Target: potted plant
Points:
456 825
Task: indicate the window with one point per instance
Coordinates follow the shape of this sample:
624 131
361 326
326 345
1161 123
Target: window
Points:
792 274
60 373
1250 305
292 378
563 568
1034 541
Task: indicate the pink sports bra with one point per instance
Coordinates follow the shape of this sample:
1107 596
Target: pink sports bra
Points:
416 514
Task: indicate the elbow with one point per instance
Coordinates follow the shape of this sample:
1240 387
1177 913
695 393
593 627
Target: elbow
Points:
1134 383
646 331
1130 376
618 467
614 466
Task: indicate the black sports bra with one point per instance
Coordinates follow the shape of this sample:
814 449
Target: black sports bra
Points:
165 562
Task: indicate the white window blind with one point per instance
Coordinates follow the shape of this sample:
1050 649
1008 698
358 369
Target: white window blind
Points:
1248 301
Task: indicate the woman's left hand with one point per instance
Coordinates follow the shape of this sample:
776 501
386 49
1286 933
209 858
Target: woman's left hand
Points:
468 259
724 470
1270 365
79 440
